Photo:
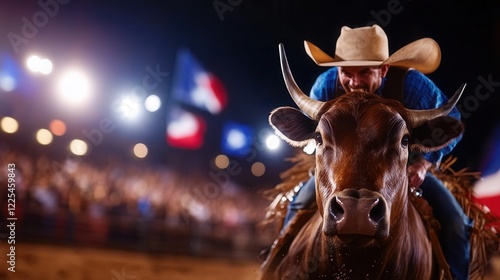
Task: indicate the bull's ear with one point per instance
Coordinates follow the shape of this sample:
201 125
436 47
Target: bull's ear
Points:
435 134
292 125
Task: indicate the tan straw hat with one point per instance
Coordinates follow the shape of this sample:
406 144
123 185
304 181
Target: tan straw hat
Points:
369 46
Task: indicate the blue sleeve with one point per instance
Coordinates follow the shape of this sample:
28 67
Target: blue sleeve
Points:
420 93
323 88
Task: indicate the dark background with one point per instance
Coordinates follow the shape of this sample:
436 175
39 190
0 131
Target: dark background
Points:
238 43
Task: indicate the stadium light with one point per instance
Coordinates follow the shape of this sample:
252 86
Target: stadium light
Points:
236 139
129 106
33 63
272 142
74 87
258 169
57 127
9 125
37 64
152 103
140 150
7 83
78 147
44 136
221 161
45 66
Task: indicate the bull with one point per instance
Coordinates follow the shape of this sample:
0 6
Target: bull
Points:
365 227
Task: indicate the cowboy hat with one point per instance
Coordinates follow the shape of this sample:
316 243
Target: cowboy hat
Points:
369 46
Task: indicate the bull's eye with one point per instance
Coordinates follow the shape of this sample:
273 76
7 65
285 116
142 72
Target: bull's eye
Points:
405 141
317 138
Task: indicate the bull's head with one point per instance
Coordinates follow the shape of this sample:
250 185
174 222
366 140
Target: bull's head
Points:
363 145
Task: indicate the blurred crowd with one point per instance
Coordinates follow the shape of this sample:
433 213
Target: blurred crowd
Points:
56 198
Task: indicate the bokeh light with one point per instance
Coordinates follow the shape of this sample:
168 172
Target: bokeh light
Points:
258 169
221 161
33 63
78 147
9 125
140 150
57 127
7 83
236 139
45 66
74 87
129 106
44 136
152 103
272 142
37 64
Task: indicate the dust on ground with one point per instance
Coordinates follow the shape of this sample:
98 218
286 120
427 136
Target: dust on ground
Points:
50 262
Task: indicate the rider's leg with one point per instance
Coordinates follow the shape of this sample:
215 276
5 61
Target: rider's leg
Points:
304 199
280 247
298 213
455 225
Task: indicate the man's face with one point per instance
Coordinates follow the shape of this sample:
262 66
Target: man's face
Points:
367 78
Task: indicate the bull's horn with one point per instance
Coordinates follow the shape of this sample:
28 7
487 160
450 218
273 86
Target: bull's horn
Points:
309 106
419 117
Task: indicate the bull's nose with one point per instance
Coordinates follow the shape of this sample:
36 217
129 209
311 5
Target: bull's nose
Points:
357 215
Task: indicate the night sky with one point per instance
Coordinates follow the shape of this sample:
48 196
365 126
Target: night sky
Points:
238 41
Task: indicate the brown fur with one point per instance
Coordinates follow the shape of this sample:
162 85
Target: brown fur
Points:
361 150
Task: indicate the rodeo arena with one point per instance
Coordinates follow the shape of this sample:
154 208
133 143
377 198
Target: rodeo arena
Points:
236 139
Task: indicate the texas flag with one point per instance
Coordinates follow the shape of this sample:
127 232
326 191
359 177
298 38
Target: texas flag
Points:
236 139
184 129
487 190
195 86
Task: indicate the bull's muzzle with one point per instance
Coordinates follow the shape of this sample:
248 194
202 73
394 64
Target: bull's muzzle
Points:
356 212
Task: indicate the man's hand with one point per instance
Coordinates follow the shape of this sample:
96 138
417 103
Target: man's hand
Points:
416 172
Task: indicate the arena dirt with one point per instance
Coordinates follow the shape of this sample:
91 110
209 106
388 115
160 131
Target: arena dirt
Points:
47 262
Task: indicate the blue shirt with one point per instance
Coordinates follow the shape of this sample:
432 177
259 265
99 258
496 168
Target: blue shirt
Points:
420 93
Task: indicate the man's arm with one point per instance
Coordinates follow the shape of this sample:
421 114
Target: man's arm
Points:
323 88
416 171
422 94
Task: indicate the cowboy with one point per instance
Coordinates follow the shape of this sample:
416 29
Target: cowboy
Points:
361 62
